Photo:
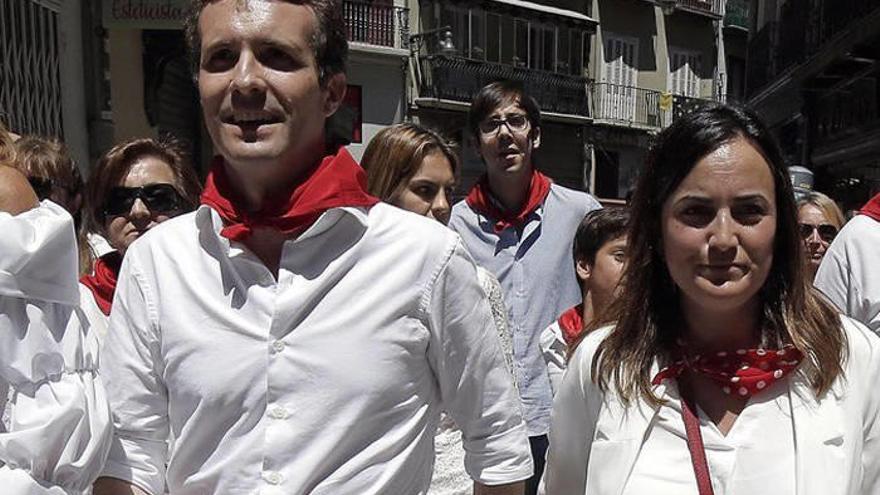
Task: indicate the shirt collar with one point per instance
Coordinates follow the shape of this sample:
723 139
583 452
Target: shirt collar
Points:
208 220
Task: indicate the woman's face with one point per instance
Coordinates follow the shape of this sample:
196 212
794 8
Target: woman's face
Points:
718 229
427 192
812 220
124 228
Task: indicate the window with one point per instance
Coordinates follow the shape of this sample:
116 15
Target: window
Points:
521 43
493 38
685 67
617 91
346 124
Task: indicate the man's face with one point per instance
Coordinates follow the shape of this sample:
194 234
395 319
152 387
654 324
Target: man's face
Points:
259 83
505 146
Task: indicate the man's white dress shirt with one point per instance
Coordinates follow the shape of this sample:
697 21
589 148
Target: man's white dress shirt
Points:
828 445
328 380
850 271
59 427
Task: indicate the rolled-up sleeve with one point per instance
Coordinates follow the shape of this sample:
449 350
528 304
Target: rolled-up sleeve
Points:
476 388
132 368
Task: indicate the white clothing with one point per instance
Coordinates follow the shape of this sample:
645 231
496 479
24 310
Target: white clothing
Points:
850 271
328 380
98 320
98 244
595 442
450 477
756 456
554 349
59 432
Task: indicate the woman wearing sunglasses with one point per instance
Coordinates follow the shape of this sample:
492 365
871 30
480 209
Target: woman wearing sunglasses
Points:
135 186
413 168
819 220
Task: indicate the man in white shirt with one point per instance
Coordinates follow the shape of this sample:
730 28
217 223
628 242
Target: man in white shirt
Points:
293 335
850 273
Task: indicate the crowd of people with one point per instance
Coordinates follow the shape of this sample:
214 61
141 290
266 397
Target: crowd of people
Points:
299 322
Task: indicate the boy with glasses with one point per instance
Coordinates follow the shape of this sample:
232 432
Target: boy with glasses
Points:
519 226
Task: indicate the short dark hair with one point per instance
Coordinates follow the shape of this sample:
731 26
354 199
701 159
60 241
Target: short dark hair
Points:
329 43
597 228
496 94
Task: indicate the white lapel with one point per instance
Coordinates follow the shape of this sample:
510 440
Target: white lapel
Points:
619 435
819 440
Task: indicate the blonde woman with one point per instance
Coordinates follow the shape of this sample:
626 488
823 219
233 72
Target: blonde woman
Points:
819 220
414 168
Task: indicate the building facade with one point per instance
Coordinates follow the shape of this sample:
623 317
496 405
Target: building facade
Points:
463 45
813 73
651 62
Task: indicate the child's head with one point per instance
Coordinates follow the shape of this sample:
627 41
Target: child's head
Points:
600 252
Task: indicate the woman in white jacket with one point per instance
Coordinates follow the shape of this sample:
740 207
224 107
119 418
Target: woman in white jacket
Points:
724 372
59 420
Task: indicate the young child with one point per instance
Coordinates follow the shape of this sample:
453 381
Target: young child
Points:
599 254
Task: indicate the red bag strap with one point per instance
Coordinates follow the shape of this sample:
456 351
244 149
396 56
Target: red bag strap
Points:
695 445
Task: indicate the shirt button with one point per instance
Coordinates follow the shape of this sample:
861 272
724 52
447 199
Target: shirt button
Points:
278 346
272 477
278 412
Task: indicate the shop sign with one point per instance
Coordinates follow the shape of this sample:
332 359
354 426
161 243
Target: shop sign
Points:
145 14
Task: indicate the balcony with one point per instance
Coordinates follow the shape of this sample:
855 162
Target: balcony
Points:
639 107
801 34
737 14
377 25
454 78
711 8
630 106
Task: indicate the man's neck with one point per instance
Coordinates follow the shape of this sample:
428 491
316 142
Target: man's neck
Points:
511 190
257 182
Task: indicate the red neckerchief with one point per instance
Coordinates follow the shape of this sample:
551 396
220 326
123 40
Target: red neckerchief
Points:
337 181
103 282
479 198
572 324
743 372
872 208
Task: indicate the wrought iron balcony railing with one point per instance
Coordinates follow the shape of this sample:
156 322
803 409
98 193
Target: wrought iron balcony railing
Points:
630 105
458 79
375 24
709 7
737 14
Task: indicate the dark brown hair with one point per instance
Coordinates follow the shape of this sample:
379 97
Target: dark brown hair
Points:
115 164
647 313
395 154
329 43
498 93
7 146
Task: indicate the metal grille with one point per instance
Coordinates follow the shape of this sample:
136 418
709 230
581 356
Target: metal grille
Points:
30 87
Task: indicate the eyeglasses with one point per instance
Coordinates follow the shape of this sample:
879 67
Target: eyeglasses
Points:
159 198
826 231
515 122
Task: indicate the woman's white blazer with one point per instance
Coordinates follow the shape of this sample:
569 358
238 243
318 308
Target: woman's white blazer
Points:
595 441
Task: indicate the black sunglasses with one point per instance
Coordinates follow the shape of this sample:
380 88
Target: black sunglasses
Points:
159 198
826 232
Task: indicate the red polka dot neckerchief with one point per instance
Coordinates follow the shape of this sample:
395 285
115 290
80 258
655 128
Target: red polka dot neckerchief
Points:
741 372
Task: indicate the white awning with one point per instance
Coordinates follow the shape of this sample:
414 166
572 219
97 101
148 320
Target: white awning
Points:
571 14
